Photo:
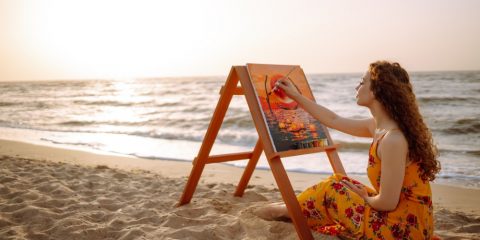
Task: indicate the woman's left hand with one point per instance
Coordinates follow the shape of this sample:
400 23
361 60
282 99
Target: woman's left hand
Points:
358 189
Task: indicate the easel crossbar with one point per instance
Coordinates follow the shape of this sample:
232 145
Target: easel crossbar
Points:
236 91
227 157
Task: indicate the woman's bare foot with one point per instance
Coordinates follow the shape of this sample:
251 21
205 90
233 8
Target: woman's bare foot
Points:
273 211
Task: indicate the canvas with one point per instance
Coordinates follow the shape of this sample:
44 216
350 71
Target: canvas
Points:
289 126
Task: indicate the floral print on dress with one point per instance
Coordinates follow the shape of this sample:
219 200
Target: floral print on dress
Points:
331 208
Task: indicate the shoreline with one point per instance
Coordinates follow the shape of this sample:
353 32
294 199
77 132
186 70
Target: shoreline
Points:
58 193
185 150
190 149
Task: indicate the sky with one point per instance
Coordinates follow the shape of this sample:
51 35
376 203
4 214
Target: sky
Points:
92 39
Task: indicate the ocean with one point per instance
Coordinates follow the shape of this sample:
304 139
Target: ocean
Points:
167 118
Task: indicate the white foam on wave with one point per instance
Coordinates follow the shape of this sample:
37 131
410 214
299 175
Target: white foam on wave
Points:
182 150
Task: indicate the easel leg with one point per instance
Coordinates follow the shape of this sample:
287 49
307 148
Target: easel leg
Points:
247 174
191 183
335 162
290 199
213 128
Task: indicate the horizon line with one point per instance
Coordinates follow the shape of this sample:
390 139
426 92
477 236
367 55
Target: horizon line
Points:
205 76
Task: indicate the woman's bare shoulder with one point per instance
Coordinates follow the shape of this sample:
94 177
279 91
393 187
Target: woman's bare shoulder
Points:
393 143
395 136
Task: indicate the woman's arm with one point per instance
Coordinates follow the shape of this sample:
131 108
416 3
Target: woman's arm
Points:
393 152
360 128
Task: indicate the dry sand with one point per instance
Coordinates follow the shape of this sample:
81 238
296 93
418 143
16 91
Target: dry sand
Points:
53 193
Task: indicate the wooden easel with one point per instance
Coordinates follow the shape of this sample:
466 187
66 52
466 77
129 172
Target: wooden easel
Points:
239 73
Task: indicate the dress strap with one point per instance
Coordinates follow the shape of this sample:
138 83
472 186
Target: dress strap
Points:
381 137
374 145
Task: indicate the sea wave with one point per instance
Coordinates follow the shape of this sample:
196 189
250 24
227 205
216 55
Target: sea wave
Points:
239 122
42 105
7 104
77 123
444 150
111 103
168 104
462 126
440 100
467 121
89 145
459 176
474 153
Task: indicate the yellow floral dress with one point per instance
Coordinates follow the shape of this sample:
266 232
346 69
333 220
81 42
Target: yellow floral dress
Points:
331 208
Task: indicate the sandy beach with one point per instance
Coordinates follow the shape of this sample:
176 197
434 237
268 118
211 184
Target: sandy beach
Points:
54 193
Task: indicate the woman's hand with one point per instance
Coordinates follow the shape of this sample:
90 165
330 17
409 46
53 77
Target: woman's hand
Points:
358 189
287 86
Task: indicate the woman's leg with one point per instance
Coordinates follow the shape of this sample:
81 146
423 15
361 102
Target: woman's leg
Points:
273 211
311 203
329 207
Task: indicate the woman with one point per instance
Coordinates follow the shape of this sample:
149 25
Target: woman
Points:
402 161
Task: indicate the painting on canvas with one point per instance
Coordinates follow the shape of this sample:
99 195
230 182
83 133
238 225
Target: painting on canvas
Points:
289 126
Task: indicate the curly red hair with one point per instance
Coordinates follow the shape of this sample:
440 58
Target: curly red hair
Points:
391 86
